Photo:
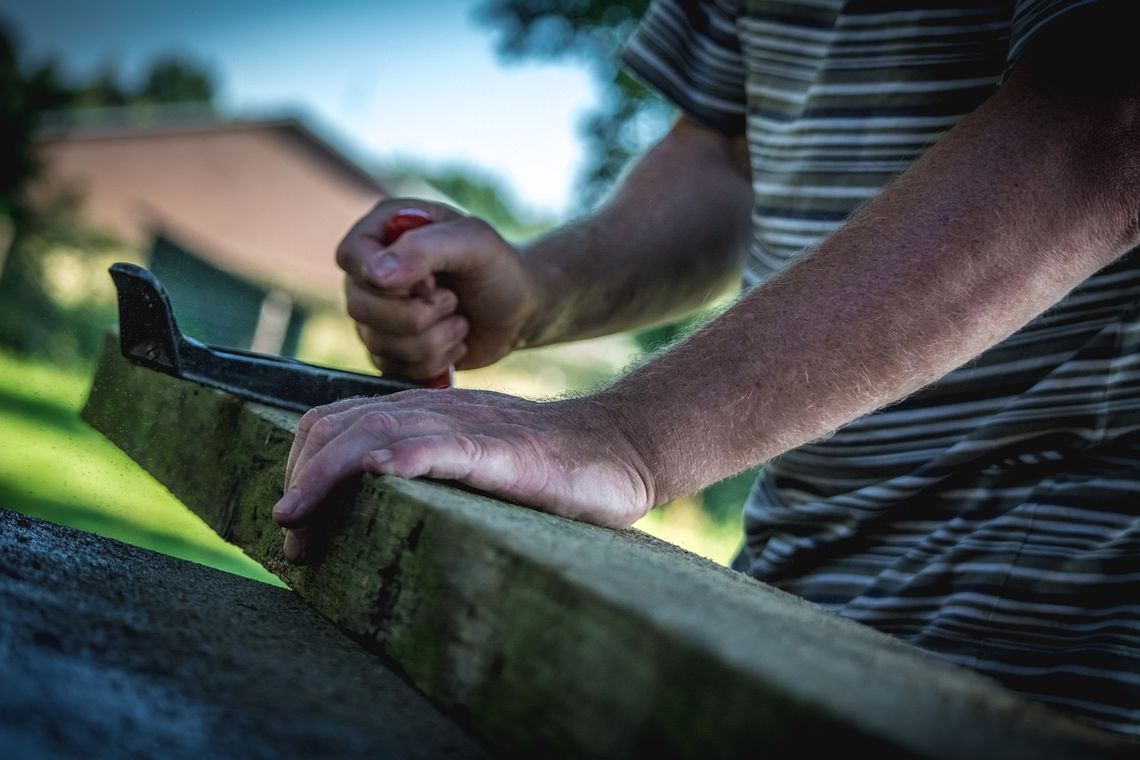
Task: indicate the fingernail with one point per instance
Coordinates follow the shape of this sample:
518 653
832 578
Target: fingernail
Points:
293 550
288 504
384 267
380 457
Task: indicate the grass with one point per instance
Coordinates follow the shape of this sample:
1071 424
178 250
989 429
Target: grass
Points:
55 467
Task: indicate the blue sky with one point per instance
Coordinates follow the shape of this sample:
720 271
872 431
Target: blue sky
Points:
385 78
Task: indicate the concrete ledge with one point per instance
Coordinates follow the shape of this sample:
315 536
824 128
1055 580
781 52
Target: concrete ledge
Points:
108 650
541 634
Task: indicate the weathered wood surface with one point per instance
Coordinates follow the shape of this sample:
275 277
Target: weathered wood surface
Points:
549 636
108 650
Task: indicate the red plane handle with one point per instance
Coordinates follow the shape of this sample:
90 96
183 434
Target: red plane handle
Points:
398 224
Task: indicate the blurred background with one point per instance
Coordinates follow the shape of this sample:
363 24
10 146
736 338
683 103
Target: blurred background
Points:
228 147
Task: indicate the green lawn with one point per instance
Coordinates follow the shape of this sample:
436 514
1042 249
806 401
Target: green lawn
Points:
52 465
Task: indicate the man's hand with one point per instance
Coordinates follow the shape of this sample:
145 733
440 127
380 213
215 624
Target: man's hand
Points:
669 240
570 458
411 323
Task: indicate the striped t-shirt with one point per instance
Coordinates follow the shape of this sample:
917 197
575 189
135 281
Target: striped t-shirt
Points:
994 517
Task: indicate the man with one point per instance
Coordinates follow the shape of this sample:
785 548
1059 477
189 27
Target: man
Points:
965 177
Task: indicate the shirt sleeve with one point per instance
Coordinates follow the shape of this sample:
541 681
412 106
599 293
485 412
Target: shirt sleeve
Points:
1032 17
689 51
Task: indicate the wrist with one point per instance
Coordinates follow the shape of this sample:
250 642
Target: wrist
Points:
547 289
626 435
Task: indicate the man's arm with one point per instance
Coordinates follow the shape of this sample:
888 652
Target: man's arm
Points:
1020 202
668 241
1017 204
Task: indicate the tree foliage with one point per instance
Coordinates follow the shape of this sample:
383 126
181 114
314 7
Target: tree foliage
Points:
174 79
28 93
630 116
30 319
23 96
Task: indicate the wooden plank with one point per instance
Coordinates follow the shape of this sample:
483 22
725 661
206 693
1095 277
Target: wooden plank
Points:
546 635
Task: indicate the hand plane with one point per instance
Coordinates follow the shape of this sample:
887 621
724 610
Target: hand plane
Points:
149 336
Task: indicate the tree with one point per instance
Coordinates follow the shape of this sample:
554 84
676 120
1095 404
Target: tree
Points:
25 306
23 97
176 80
30 319
631 116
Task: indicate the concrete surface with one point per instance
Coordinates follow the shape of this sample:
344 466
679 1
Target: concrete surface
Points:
552 637
108 650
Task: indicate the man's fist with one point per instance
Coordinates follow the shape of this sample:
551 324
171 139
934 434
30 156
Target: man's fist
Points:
415 325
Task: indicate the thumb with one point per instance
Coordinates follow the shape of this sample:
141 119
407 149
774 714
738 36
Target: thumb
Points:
464 249
396 272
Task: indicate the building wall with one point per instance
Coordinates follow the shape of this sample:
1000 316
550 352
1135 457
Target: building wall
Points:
265 201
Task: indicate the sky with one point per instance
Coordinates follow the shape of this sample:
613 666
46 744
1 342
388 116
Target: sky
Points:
384 79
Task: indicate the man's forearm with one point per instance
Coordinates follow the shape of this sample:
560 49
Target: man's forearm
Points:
1017 205
670 240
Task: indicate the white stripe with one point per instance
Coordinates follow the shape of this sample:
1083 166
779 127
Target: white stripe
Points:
867 88
756 31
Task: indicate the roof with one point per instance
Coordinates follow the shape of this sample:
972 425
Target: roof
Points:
267 199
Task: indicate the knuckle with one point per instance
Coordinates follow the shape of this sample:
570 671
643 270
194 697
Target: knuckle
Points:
471 447
444 335
417 320
322 431
446 302
453 359
374 342
388 365
343 255
408 319
356 306
350 251
376 347
476 228
308 419
409 351
379 424
314 475
436 344
462 328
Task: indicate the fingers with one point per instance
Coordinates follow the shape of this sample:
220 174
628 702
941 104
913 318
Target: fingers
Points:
424 355
315 429
446 456
333 447
305 429
362 246
423 371
413 337
398 315
479 461
456 264
461 247
296 545
296 505
398 440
